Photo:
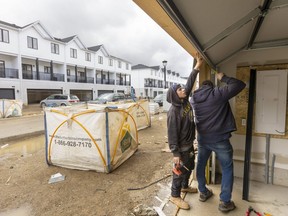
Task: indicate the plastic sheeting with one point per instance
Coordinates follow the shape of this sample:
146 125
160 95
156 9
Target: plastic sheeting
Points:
154 108
9 108
97 137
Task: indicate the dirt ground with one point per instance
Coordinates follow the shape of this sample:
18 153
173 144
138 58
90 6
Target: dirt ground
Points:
24 181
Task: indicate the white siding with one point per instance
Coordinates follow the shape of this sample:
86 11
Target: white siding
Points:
13 46
16 52
278 147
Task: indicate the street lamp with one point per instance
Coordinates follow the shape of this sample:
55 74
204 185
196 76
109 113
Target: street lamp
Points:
164 64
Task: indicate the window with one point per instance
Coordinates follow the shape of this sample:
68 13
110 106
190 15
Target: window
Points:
110 62
2 68
127 66
54 48
47 69
26 67
63 97
100 59
119 64
88 56
32 42
4 36
68 72
73 53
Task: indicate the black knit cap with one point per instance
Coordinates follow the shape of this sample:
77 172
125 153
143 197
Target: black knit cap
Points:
208 83
177 86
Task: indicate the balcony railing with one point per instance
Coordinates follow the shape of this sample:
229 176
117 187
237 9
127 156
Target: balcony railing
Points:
90 79
32 75
58 77
152 85
9 73
105 81
119 82
80 79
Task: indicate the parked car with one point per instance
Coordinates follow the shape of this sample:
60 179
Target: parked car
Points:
159 99
59 100
109 97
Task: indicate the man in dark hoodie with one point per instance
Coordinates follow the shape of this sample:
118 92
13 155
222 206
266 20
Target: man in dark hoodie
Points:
181 135
215 122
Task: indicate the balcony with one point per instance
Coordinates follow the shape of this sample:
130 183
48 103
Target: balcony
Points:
151 85
9 73
32 75
119 82
80 79
105 81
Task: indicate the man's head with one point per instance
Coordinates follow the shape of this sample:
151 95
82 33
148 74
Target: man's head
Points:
180 90
208 83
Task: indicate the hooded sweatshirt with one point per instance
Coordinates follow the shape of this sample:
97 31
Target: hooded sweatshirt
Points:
180 120
213 116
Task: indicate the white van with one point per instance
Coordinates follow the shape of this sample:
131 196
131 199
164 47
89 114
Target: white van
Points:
59 100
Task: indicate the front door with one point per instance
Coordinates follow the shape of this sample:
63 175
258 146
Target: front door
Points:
27 71
2 69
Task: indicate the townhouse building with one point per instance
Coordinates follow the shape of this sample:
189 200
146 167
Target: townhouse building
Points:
148 81
35 64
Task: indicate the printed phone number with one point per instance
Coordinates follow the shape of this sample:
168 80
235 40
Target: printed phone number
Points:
73 143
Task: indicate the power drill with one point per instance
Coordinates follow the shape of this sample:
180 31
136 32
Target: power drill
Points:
178 169
250 209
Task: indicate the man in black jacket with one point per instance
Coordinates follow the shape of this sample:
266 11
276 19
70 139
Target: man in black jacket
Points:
181 135
215 122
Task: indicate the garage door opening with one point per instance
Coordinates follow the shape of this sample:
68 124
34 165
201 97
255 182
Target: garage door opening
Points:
36 95
83 95
7 94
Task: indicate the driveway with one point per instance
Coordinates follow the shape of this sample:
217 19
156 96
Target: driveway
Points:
29 124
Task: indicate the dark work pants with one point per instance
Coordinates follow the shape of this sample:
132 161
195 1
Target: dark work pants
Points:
182 180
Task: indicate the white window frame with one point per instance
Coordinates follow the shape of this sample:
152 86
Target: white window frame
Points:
110 62
68 71
47 70
54 48
4 35
32 42
73 53
88 56
100 59
81 73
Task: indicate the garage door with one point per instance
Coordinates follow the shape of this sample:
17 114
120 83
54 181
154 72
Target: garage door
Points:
7 94
36 95
100 92
83 95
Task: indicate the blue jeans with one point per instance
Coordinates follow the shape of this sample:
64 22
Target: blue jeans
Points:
224 153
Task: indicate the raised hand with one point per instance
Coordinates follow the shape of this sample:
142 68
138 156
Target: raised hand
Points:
199 60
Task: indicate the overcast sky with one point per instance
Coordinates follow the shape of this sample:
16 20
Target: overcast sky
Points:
121 26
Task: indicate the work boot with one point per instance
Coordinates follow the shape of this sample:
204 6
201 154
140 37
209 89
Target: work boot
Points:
205 196
189 190
178 201
225 207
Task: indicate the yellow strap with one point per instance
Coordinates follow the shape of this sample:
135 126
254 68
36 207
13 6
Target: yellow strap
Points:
82 126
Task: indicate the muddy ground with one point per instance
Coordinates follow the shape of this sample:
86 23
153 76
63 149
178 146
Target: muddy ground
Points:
24 181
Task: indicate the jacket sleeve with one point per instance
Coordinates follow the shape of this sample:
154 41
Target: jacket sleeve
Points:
233 87
190 81
173 126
